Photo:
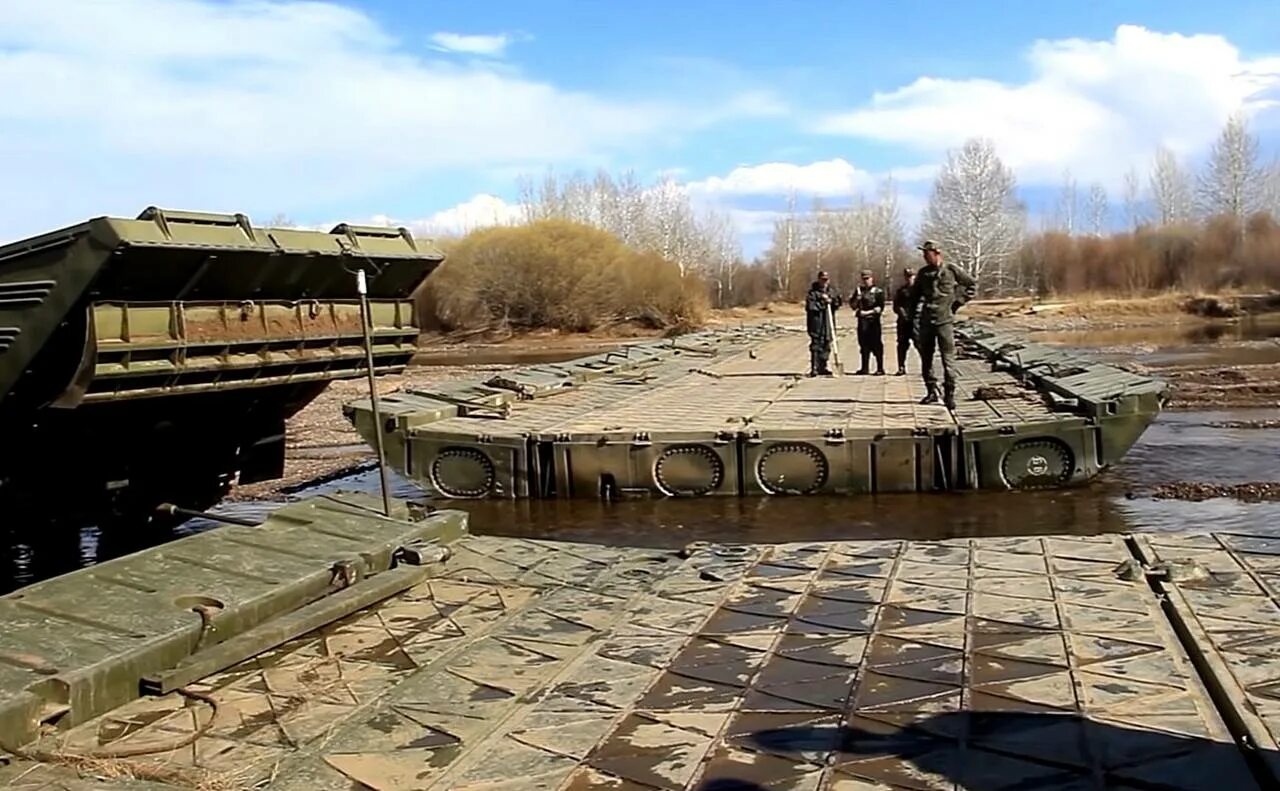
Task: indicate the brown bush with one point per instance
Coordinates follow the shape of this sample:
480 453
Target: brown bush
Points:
556 274
1214 256
749 284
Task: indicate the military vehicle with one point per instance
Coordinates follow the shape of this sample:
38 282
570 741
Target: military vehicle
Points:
156 359
728 413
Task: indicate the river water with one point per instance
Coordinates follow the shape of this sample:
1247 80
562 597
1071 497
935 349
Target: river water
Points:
1180 446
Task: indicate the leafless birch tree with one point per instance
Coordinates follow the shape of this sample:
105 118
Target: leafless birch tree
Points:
1068 203
1271 190
975 216
656 218
1170 189
1231 183
786 243
1098 208
1133 213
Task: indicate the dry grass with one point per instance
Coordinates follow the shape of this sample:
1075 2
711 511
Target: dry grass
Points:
768 311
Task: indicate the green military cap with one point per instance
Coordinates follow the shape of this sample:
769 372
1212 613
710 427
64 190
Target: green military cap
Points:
930 245
866 273
908 271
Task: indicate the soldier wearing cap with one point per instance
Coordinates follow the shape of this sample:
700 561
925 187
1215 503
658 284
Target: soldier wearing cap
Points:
902 309
819 311
867 302
938 292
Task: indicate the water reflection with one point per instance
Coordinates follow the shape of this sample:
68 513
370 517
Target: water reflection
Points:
674 523
1253 328
1187 446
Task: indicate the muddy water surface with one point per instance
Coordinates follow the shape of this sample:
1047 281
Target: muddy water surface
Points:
1221 447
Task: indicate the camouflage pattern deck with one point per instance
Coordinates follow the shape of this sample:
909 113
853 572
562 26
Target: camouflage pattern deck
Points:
1224 593
977 664
731 413
77 645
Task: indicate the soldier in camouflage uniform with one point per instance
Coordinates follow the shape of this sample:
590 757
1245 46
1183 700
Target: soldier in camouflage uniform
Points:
867 302
902 309
820 323
938 292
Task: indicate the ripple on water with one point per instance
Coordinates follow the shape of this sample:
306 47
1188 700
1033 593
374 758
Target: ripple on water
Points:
1186 446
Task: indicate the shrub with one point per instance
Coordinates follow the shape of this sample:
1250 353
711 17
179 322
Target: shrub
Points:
557 274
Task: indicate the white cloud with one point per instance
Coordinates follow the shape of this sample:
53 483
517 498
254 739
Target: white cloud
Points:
1095 107
304 107
490 45
833 177
480 211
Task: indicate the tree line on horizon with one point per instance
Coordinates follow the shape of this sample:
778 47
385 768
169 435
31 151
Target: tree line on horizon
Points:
590 252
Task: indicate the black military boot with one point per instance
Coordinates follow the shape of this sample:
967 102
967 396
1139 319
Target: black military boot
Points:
879 365
866 357
949 396
930 397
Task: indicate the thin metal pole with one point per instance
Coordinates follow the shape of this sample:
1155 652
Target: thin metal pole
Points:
169 509
366 323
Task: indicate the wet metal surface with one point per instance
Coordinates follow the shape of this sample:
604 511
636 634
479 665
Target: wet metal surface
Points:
979 664
1235 614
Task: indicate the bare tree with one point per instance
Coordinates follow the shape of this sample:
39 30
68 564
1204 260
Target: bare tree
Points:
281 220
785 245
974 214
1133 215
1068 203
1231 183
886 229
1170 189
1097 208
659 218
724 254
1271 190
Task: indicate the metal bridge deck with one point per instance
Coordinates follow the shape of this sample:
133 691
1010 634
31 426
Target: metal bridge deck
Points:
732 413
978 664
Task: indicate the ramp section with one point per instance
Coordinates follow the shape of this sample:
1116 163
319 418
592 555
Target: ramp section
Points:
189 301
984 663
147 338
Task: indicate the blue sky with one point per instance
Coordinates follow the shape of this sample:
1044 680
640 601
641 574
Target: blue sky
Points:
424 113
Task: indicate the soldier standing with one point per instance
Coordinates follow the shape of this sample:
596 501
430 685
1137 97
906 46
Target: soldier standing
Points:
867 302
819 312
902 309
938 292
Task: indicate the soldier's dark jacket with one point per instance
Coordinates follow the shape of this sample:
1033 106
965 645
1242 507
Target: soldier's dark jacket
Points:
938 292
868 299
816 310
902 304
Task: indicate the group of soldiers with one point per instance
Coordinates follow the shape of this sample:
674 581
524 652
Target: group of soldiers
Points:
924 305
